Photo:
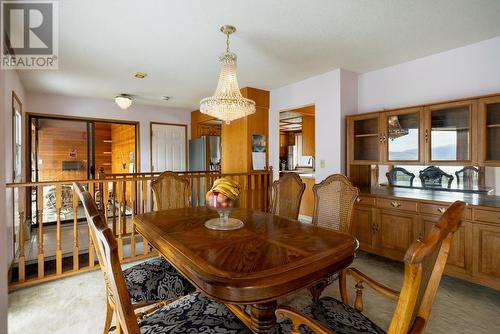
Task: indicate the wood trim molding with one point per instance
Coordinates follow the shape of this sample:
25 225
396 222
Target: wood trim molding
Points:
151 141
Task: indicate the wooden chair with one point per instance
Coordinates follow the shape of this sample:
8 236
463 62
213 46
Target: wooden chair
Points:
467 175
432 177
398 175
287 194
152 282
170 191
334 200
424 264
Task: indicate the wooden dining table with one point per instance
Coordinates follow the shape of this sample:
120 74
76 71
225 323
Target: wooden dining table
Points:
270 257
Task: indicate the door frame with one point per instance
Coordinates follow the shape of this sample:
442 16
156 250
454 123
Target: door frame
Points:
151 123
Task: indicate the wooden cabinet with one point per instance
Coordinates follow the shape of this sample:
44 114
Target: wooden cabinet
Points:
363 227
486 246
457 256
395 231
450 132
489 134
308 134
364 139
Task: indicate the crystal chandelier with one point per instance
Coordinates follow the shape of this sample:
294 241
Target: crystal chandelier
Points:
227 104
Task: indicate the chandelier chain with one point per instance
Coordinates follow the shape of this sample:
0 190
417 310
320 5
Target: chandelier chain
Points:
227 42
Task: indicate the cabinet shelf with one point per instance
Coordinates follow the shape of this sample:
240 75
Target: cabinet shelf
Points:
493 126
366 135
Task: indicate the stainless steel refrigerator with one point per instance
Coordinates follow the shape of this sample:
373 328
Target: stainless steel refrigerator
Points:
204 155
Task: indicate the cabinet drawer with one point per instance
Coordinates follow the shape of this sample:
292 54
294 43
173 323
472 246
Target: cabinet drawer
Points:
487 216
439 209
397 204
366 201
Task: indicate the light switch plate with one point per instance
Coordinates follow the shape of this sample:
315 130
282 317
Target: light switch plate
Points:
322 163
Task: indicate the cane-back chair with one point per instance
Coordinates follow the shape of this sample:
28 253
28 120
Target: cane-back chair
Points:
287 194
424 264
153 283
170 191
334 200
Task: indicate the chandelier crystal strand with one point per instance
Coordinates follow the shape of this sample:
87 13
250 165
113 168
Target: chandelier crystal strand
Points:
227 104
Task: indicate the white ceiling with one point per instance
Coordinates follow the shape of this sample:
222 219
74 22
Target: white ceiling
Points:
278 42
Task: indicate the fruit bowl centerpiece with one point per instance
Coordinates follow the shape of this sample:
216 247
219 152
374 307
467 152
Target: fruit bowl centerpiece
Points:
222 198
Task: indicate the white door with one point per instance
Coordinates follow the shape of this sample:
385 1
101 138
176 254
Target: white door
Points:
168 144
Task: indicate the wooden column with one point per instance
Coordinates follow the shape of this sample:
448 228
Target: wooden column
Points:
236 137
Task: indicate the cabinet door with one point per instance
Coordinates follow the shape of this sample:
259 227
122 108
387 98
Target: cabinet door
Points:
362 227
403 140
489 134
486 250
449 132
308 133
365 139
395 232
456 257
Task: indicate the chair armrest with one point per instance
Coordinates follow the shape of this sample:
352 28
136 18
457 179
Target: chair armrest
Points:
382 289
298 319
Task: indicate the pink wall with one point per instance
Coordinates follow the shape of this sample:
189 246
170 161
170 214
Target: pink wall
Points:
100 108
467 71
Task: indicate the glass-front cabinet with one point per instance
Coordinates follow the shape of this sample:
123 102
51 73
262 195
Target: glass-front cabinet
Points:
448 133
402 136
490 134
366 138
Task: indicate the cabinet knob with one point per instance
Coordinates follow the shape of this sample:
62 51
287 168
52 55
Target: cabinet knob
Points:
395 204
441 210
426 135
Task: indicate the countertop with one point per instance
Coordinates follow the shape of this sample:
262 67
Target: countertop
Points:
302 173
434 195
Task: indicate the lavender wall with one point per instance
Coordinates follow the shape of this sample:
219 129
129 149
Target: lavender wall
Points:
467 71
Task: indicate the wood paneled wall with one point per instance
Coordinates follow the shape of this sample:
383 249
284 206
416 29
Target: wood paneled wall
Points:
55 141
102 147
123 144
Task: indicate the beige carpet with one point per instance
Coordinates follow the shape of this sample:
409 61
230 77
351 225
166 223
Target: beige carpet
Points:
76 304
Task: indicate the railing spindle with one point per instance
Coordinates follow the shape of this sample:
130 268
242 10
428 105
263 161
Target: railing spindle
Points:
91 189
76 253
58 229
120 218
132 205
21 259
39 214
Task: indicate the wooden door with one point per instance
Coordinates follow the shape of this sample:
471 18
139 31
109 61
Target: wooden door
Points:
363 227
404 139
489 130
365 139
486 252
168 147
450 133
457 260
395 232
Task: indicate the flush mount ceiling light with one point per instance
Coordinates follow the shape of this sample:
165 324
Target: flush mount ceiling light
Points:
123 101
140 75
227 104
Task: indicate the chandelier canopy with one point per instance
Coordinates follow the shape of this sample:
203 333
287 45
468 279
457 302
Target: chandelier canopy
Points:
227 104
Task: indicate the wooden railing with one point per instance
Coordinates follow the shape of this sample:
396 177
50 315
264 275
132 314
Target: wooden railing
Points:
45 252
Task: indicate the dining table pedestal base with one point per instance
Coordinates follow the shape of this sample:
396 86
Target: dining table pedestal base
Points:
263 317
